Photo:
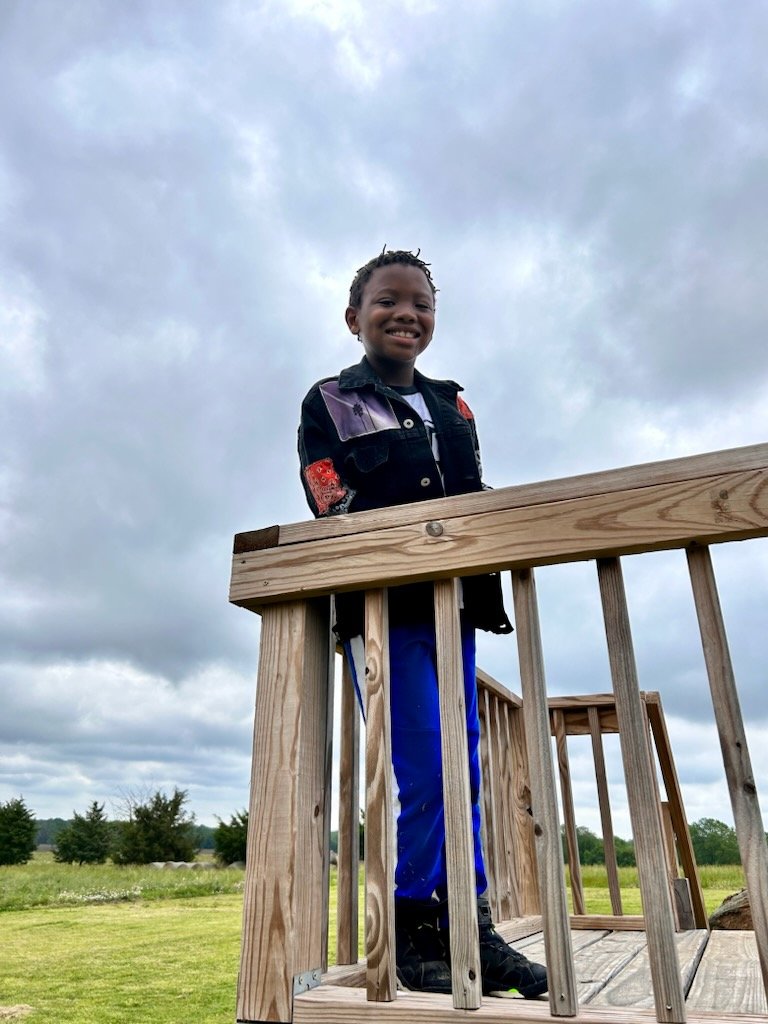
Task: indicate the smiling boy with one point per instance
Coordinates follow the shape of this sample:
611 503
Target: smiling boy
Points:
378 434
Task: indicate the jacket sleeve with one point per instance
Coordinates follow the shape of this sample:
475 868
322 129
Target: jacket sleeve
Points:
327 492
469 416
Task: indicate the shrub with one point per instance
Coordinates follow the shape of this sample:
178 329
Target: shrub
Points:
230 840
17 832
86 839
156 830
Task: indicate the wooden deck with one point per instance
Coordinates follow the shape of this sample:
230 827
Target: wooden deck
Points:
720 974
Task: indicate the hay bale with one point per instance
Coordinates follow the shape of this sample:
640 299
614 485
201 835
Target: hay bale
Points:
733 914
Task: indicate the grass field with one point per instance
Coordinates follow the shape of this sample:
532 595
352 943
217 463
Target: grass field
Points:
108 945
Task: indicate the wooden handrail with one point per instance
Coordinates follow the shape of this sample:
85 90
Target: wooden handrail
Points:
287 573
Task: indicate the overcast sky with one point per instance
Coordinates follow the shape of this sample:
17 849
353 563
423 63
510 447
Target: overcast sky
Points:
186 190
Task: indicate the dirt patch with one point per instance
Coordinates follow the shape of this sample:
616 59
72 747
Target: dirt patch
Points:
14 1012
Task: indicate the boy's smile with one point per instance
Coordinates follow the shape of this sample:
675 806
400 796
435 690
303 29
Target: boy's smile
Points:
394 321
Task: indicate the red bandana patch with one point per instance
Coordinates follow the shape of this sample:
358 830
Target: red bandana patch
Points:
464 409
325 484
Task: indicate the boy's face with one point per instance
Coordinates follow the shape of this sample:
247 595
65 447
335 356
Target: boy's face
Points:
395 320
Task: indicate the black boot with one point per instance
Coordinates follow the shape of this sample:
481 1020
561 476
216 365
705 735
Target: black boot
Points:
420 953
502 967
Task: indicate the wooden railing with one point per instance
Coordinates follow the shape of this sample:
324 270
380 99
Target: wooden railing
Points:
288 572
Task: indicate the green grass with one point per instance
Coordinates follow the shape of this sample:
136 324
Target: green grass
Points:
44 883
108 945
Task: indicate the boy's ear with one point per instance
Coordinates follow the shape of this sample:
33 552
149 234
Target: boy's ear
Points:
351 317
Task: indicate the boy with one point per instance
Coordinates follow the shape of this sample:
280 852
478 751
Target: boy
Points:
382 434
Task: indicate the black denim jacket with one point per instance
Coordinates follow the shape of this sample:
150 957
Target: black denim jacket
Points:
362 446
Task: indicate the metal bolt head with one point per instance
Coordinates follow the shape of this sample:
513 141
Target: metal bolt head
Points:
434 529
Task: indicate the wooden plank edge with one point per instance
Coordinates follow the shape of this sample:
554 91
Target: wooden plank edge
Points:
646 474
329 1004
613 922
276 579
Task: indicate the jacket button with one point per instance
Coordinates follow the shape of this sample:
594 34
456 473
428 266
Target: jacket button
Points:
425 481
408 424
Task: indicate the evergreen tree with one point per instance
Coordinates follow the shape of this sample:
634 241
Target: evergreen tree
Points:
156 830
230 840
86 839
18 830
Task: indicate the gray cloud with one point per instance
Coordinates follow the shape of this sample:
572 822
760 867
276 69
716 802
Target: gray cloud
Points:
185 193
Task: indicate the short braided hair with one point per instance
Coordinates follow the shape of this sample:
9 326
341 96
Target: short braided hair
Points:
384 259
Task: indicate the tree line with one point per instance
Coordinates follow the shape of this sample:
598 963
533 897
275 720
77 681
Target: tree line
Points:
713 842
156 827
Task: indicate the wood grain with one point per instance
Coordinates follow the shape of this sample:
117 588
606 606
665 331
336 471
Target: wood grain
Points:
728 978
347 943
457 801
284 905
379 823
632 987
641 797
733 460
330 1005
562 983
733 744
651 518
677 811
604 803
527 881
490 814
569 812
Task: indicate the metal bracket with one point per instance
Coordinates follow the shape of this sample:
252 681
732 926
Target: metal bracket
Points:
306 980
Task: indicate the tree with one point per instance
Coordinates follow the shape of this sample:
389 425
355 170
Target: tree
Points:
86 839
230 840
18 830
714 842
591 849
625 852
158 829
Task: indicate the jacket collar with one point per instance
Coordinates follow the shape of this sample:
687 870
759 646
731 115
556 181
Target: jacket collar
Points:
362 375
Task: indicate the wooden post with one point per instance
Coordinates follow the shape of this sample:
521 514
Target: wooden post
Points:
349 822
563 1000
459 850
569 813
603 799
641 796
733 743
381 980
285 921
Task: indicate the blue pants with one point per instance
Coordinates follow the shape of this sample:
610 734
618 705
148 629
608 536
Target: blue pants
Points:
417 757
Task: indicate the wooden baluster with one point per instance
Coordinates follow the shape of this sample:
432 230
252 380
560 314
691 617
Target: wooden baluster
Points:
504 864
733 743
508 818
459 848
490 819
677 812
527 885
641 796
569 813
285 922
603 799
381 980
563 1000
349 822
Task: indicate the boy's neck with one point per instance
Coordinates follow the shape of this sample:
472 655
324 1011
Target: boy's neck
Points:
392 373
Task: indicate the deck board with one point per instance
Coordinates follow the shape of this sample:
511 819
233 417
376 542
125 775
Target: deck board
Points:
728 976
721 974
632 986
